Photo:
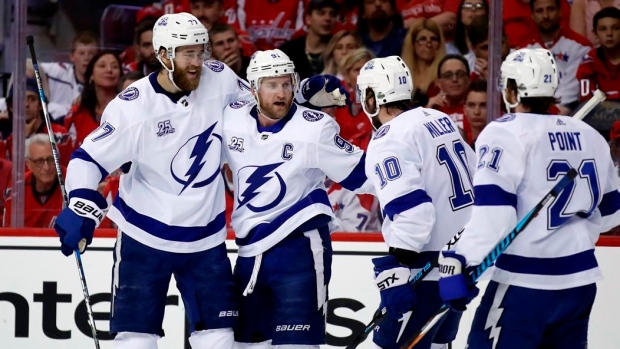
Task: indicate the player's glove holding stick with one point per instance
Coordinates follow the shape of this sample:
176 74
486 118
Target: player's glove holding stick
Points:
78 221
392 279
454 287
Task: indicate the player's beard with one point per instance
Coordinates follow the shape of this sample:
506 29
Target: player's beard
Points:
271 111
183 82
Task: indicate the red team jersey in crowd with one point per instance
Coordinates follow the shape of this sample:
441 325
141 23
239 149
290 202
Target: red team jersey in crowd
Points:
596 71
425 8
80 124
65 147
270 23
457 114
39 211
518 22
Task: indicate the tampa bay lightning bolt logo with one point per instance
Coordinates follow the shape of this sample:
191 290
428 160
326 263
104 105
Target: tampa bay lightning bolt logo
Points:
199 173
381 132
242 85
215 66
312 115
506 118
238 104
262 185
129 94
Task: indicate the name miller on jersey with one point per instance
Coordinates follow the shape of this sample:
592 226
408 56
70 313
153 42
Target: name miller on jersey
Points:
439 127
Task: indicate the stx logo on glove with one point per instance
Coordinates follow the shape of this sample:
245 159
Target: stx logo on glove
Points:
387 282
84 209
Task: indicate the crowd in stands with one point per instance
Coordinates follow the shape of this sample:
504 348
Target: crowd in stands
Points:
445 44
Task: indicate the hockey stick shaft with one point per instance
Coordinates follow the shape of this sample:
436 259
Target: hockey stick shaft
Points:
61 183
598 97
414 281
490 259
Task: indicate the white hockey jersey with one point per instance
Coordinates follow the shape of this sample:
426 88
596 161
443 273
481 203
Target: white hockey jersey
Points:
520 158
171 196
279 173
421 169
64 87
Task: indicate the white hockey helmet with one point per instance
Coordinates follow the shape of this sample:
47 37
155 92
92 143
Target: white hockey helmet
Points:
390 80
178 29
270 63
535 72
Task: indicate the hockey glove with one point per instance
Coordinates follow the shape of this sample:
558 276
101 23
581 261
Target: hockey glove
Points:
323 91
392 279
78 221
454 287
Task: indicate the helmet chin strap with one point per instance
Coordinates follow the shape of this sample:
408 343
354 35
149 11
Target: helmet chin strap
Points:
170 71
370 115
510 106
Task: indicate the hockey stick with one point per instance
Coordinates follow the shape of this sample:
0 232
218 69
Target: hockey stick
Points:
490 259
61 184
414 281
597 98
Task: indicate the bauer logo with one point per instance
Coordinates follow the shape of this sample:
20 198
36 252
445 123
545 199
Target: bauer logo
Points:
129 94
312 116
382 132
215 66
282 328
238 104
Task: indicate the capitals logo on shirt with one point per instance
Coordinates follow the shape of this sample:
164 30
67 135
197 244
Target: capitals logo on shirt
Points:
196 164
260 188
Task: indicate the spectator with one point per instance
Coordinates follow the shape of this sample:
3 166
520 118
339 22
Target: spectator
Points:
270 23
128 79
227 48
103 73
443 12
35 122
348 15
423 48
354 125
147 61
582 15
567 47
209 12
6 174
149 12
600 68
468 10
66 80
614 144
478 35
518 22
306 51
476 109
338 47
453 82
43 199
380 27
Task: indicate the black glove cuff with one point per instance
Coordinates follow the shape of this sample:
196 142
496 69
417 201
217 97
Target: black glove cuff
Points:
404 257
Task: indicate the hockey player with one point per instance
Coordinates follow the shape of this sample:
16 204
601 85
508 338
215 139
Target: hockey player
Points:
421 170
279 153
164 132
543 288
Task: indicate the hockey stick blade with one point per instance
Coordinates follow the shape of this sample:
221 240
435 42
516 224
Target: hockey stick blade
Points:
490 259
414 281
598 97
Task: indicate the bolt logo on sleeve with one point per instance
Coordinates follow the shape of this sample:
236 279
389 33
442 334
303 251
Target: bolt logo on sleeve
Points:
197 163
129 94
215 66
256 184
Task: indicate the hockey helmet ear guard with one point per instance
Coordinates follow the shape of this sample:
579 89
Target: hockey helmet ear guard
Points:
390 80
534 71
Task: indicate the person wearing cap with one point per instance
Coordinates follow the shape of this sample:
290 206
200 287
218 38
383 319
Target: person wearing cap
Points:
35 122
307 51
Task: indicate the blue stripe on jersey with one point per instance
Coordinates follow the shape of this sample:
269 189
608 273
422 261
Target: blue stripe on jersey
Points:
169 232
548 266
357 177
81 154
405 202
89 194
493 195
610 203
261 231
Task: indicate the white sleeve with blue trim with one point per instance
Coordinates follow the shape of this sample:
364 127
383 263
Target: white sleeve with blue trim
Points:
106 149
407 208
500 169
610 202
341 161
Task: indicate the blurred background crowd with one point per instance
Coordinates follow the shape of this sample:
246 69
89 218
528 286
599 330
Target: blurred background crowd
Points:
89 51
